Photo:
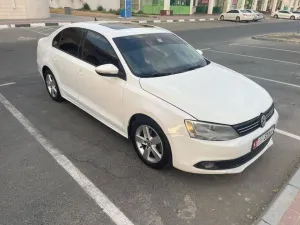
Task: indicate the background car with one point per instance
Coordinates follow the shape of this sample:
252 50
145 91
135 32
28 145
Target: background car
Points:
257 15
237 15
284 14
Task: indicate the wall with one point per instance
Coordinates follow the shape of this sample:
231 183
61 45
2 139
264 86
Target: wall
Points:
77 4
24 9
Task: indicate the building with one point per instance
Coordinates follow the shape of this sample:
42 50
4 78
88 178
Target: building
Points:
24 9
106 4
188 7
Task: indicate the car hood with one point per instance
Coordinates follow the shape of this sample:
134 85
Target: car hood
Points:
212 93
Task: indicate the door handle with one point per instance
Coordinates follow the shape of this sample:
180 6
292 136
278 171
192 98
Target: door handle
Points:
80 71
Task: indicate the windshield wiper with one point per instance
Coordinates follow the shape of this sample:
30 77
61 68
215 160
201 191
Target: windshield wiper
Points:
160 74
190 68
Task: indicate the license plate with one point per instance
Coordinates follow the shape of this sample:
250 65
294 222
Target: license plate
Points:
260 140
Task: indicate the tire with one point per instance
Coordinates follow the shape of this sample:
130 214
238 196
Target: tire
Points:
52 86
163 147
292 18
222 18
238 19
276 16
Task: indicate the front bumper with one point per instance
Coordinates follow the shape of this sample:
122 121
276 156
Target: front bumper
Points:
188 152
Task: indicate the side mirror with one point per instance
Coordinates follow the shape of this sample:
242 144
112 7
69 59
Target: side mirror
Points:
200 52
108 70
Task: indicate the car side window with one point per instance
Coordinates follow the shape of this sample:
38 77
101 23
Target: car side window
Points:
56 40
231 11
70 40
98 51
235 11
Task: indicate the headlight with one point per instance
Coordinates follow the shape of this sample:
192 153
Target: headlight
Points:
210 131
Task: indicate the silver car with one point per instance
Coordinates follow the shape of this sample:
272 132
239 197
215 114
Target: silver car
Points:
257 15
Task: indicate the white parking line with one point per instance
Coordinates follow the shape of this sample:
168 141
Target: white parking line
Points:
255 57
35 31
275 81
42 29
288 134
6 84
108 207
253 46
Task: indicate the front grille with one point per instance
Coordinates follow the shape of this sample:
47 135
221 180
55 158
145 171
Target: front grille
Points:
251 125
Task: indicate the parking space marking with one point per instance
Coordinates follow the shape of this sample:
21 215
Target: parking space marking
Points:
255 57
101 200
288 134
275 81
7 84
42 28
35 31
253 46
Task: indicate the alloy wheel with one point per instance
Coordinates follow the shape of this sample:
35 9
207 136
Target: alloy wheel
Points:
149 144
51 85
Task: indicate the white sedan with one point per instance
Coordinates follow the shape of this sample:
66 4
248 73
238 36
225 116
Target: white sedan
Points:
257 15
177 107
284 14
237 15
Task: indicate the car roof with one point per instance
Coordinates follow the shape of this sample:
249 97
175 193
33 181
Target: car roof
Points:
114 29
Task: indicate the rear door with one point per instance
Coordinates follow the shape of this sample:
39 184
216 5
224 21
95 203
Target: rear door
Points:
235 14
65 58
228 15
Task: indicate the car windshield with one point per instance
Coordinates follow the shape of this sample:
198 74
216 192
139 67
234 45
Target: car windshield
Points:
159 54
249 11
244 11
297 12
255 11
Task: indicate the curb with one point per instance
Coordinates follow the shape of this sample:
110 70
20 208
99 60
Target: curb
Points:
282 202
3 26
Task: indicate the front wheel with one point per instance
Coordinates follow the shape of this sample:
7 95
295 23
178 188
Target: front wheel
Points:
222 18
276 16
151 144
293 18
238 19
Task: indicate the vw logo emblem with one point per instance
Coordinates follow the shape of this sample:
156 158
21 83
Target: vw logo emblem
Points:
263 120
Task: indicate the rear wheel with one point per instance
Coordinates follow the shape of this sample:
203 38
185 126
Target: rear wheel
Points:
222 18
150 143
52 86
238 19
293 18
276 16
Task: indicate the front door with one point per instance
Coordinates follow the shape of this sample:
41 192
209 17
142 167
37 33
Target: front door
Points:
100 95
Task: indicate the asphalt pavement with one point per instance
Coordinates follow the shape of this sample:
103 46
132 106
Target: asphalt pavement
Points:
35 189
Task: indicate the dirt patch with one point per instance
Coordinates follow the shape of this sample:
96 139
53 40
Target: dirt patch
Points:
281 37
